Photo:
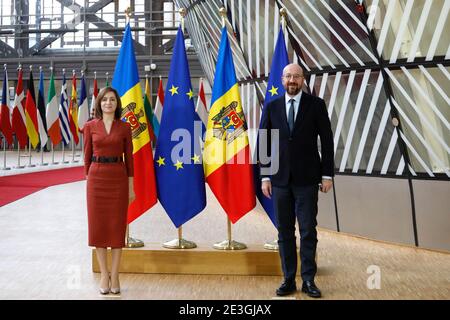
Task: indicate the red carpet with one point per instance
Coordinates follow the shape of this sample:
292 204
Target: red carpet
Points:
18 186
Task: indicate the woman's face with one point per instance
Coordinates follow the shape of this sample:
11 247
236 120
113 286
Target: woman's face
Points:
109 103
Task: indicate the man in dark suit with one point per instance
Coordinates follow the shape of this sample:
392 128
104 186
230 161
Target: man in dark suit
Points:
300 119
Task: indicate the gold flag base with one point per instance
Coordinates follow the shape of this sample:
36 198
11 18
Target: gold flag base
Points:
134 243
179 244
229 245
271 245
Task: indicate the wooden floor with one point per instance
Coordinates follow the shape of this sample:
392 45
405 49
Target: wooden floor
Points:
44 255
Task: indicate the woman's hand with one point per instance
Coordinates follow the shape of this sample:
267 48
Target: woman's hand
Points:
131 194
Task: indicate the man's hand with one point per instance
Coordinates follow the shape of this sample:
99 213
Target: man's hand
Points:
267 188
326 185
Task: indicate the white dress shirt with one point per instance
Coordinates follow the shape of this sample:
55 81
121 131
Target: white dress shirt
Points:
296 104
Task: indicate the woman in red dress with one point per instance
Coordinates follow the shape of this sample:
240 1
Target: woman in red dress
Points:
108 162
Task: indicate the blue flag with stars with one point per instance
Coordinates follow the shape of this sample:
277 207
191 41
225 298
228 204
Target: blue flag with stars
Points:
275 90
179 172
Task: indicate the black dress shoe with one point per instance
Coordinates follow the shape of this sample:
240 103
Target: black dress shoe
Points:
286 288
309 287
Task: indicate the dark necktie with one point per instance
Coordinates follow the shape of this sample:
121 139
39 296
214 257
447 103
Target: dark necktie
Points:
291 116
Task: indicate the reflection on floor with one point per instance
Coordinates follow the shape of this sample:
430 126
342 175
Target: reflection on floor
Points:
44 255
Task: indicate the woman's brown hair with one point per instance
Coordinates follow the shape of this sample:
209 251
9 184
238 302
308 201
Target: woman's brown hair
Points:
98 114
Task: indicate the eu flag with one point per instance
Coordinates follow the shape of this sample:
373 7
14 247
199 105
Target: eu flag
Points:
179 170
275 90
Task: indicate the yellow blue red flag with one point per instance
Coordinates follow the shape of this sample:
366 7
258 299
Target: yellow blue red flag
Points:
126 82
226 156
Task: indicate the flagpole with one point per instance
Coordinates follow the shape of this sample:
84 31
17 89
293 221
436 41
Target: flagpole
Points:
53 153
92 110
18 143
51 142
228 244
129 241
42 156
71 116
29 141
4 154
273 245
63 152
63 143
81 146
42 146
283 14
4 137
29 155
180 243
18 157
73 150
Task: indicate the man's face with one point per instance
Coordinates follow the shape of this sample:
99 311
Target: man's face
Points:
293 79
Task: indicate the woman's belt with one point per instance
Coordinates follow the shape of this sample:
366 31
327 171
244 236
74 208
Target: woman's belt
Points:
102 159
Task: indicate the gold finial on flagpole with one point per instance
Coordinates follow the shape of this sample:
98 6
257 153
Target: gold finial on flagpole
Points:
127 14
283 14
182 13
223 13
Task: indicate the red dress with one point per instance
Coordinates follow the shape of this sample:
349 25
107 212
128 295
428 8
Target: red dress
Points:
107 183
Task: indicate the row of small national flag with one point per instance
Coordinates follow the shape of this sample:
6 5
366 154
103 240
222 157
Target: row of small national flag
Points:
176 175
36 121
33 121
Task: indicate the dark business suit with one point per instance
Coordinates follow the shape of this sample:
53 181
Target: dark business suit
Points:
295 184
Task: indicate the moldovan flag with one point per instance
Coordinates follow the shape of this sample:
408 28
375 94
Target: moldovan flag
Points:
18 115
52 113
31 114
226 156
5 115
126 82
